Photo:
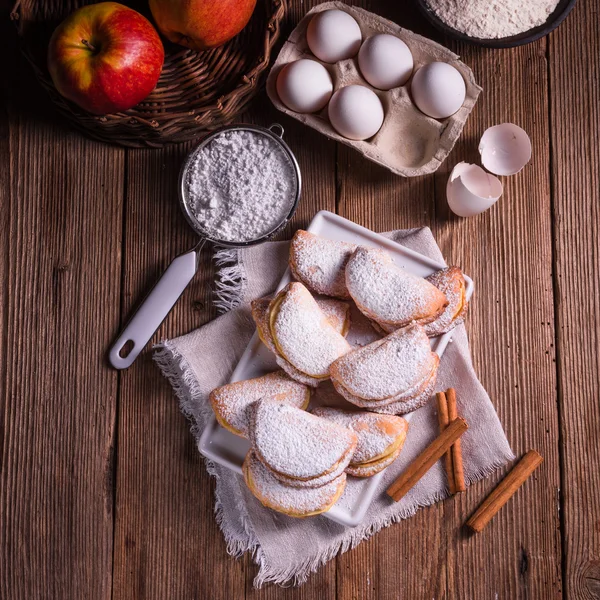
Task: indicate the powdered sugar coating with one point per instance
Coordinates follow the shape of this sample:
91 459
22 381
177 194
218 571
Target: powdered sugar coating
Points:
408 405
388 367
405 396
313 382
297 444
230 402
319 263
368 470
337 311
295 502
302 334
376 433
452 283
241 186
388 294
315 482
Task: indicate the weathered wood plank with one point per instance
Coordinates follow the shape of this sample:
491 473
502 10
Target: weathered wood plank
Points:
316 158
508 252
164 495
575 123
61 235
385 566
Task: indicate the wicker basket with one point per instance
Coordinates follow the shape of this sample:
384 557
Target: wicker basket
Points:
196 92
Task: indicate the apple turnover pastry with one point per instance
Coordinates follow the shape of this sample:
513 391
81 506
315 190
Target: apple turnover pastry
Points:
300 449
230 402
292 501
394 375
380 438
452 283
319 263
389 295
302 337
337 311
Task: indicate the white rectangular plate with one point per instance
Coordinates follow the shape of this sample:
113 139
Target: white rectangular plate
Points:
229 450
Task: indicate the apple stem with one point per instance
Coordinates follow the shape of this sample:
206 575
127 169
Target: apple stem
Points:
88 45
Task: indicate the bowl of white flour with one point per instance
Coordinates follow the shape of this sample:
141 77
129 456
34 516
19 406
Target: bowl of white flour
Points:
240 185
496 23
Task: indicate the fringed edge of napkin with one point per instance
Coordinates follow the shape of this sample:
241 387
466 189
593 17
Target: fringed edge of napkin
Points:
175 368
230 280
297 575
178 372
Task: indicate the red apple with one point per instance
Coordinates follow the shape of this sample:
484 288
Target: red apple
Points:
105 57
201 24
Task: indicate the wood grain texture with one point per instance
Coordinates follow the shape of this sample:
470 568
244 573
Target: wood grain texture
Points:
574 51
385 566
162 479
61 212
102 491
508 253
164 513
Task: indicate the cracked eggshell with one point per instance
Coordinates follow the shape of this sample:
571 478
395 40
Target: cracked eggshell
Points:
470 190
505 149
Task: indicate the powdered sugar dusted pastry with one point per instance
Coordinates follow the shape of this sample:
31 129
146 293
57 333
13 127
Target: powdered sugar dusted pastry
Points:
319 263
315 482
399 368
295 502
391 296
337 311
297 445
372 468
302 334
407 403
380 438
230 402
452 283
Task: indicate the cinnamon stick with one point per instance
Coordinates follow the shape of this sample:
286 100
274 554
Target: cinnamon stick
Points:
427 459
457 461
444 421
504 490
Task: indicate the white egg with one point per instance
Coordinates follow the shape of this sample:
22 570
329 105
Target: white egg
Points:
505 149
470 190
385 61
304 86
356 112
333 35
438 90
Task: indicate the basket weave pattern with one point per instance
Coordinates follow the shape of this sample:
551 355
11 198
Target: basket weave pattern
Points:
196 92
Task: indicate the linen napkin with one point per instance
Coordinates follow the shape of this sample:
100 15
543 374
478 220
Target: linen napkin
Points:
287 550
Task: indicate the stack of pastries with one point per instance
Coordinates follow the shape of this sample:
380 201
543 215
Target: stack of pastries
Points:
299 461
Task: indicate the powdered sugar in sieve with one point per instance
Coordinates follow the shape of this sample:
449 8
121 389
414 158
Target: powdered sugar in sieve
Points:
237 188
241 185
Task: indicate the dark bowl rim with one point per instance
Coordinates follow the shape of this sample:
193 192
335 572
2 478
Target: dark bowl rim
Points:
554 20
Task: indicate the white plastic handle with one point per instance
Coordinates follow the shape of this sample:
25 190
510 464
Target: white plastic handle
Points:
154 309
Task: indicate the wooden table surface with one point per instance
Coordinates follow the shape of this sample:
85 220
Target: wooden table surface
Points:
102 491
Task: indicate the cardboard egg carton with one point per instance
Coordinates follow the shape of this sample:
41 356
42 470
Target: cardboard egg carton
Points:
409 142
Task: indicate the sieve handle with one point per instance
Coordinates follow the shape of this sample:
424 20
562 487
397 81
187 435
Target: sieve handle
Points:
153 310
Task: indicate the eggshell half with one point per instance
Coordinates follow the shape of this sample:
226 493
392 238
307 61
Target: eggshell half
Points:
505 149
470 190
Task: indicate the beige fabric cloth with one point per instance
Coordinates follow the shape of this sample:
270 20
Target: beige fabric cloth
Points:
287 550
